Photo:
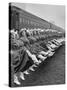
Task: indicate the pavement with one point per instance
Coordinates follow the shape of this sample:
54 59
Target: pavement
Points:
50 72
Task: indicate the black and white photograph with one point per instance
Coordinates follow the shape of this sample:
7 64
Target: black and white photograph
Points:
36 44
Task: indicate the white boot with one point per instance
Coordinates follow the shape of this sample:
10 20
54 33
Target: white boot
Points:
57 43
44 53
50 48
26 72
33 57
35 65
51 53
42 57
31 68
22 75
16 81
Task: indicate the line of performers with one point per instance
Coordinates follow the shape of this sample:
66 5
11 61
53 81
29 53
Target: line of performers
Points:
30 47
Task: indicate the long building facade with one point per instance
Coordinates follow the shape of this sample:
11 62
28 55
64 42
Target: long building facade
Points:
22 19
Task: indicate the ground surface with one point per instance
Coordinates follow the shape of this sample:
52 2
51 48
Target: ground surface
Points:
50 72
